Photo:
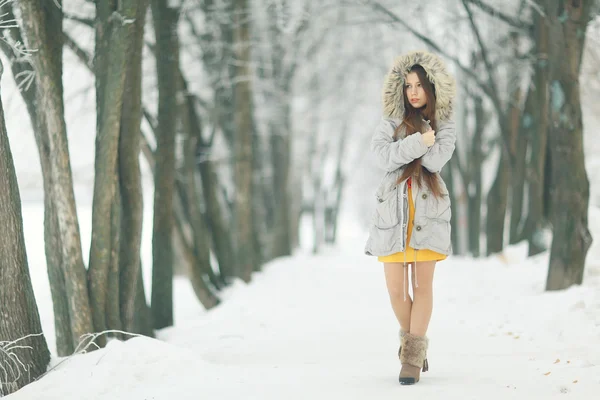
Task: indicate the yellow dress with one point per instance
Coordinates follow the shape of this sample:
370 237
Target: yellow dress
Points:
411 254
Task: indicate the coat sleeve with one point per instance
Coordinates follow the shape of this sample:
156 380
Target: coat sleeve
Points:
391 155
440 153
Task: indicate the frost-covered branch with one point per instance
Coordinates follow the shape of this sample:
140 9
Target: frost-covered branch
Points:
493 94
11 366
484 53
13 47
512 21
85 342
395 18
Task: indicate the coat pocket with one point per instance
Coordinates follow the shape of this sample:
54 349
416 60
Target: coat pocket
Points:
439 237
437 207
383 242
386 212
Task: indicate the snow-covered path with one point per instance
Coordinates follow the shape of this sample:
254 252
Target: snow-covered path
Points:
320 327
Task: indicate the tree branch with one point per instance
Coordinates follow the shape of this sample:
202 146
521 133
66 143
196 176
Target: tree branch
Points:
150 119
83 56
147 151
512 21
484 53
484 87
82 20
464 174
505 133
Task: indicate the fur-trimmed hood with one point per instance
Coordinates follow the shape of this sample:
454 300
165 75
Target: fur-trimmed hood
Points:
445 86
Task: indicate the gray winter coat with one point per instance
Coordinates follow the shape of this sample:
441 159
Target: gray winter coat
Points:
431 230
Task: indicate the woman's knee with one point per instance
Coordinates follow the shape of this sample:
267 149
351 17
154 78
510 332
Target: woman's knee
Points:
422 279
396 282
422 288
396 288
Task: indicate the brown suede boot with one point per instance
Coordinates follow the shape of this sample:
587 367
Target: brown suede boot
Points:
412 356
402 333
425 363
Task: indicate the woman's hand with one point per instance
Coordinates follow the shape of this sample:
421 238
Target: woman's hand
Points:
428 138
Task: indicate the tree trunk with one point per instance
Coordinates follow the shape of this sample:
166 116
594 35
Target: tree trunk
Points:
142 322
516 145
167 64
280 156
214 214
187 253
217 221
42 24
497 201
516 175
281 135
113 306
476 182
536 174
184 255
113 37
496 206
570 185
189 192
246 258
518 179
219 60
52 240
312 161
333 201
261 183
132 302
24 354
448 176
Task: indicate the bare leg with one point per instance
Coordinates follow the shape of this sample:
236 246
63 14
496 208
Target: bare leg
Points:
395 279
422 306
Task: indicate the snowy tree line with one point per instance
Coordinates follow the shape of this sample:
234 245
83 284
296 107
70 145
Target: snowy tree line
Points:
249 122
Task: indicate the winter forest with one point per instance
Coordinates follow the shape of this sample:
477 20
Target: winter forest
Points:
186 188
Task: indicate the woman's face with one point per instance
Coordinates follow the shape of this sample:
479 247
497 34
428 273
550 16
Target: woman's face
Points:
414 91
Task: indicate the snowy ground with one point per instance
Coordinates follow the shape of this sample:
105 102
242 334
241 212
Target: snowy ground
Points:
321 327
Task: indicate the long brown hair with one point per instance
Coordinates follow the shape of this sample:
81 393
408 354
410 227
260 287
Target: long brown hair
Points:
413 123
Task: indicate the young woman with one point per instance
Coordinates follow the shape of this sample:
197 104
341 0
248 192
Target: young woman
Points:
411 222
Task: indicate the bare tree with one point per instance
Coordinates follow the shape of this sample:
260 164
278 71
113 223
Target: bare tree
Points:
165 20
215 41
114 37
42 28
570 187
243 154
22 68
538 125
131 139
24 354
135 312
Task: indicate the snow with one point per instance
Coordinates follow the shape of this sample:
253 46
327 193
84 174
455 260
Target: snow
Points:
320 326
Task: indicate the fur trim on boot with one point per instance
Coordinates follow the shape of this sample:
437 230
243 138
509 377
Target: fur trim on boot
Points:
425 363
402 333
412 356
